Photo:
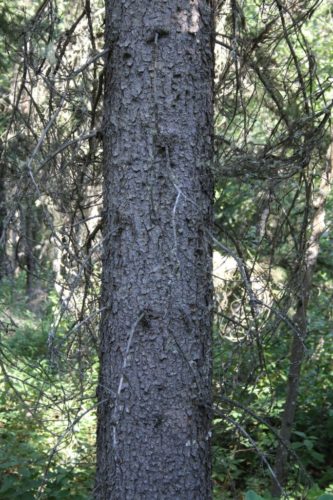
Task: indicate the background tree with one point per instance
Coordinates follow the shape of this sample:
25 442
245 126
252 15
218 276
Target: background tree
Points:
280 162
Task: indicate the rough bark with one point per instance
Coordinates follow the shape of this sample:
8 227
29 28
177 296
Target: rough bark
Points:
154 393
298 344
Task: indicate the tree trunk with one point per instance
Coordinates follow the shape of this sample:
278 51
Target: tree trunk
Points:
29 255
2 222
297 349
289 411
29 236
154 394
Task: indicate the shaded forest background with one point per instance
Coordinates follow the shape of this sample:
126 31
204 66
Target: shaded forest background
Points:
273 259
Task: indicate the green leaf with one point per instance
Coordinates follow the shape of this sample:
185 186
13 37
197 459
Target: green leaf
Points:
326 496
252 495
301 434
308 444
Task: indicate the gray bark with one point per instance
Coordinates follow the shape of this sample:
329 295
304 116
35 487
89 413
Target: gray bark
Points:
154 393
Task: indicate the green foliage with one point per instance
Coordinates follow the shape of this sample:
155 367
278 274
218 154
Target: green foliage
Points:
47 426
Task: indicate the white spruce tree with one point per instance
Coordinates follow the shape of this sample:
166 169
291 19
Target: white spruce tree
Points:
155 375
